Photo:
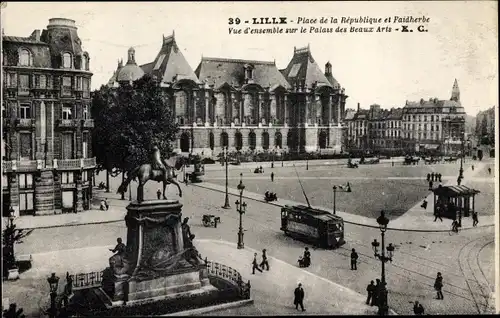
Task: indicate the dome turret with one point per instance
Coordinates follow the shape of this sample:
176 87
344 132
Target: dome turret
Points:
131 71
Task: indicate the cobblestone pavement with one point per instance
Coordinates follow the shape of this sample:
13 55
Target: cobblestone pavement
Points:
410 276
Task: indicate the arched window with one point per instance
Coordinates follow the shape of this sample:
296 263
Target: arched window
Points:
24 57
278 140
67 61
238 141
211 140
84 62
252 140
224 140
265 140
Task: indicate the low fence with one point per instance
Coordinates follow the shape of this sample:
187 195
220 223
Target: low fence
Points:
86 280
214 269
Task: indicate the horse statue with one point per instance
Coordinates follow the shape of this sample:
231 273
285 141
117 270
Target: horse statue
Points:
145 172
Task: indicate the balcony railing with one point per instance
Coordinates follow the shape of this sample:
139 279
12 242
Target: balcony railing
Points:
88 123
74 164
19 165
86 280
25 122
66 123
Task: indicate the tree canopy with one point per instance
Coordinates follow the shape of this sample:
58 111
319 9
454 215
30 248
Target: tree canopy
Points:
129 121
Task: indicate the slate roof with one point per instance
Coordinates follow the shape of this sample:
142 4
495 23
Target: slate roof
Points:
332 81
147 68
395 113
434 103
170 64
303 67
219 71
22 40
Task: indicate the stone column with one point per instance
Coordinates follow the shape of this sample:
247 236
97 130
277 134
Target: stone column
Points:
234 107
207 107
330 113
339 109
241 111
79 195
273 109
285 110
194 104
307 106
260 113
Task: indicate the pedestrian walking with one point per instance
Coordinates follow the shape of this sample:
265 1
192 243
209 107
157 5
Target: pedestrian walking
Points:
432 176
439 177
428 177
370 289
264 262
255 265
489 170
307 257
472 167
438 286
299 297
354 260
437 214
272 176
418 309
475 221
158 193
430 185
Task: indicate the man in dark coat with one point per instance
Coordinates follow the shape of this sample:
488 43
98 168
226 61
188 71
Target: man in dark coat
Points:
371 290
438 285
354 260
299 297
376 293
255 264
264 262
432 176
418 309
428 177
475 221
307 257
272 176
439 178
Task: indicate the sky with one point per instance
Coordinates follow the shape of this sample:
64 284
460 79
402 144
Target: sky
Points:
374 68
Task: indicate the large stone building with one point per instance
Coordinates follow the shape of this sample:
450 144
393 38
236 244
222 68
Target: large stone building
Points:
435 125
374 130
47 163
246 105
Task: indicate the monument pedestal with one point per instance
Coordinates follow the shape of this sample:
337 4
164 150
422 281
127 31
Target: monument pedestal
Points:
157 264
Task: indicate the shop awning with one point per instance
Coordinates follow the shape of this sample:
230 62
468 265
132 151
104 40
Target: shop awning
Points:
455 191
431 146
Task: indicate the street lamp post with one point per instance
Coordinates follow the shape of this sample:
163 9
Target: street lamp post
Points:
53 281
226 201
334 198
383 307
241 208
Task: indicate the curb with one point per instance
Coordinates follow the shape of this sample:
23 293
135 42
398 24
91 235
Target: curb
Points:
204 310
350 222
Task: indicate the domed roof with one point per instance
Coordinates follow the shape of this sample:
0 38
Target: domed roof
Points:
131 71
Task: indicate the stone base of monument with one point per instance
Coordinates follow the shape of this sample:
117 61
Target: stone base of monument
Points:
160 271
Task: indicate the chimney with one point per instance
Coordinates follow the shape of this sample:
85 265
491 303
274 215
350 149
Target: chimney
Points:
35 35
358 107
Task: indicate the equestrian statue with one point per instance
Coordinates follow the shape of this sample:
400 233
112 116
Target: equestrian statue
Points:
158 170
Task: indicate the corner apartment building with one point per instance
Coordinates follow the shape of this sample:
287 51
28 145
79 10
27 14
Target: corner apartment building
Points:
374 130
434 125
47 163
246 105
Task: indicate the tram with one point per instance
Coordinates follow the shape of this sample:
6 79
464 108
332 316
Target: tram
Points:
320 227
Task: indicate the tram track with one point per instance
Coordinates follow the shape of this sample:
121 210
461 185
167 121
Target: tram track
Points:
468 252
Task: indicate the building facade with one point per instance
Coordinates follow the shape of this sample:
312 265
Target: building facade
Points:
47 163
374 130
435 125
485 126
246 105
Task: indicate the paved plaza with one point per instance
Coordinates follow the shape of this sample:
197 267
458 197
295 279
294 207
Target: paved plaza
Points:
465 259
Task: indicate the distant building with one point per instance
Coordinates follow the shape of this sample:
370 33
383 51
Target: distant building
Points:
374 130
246 105
46 154
434 125
485 126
